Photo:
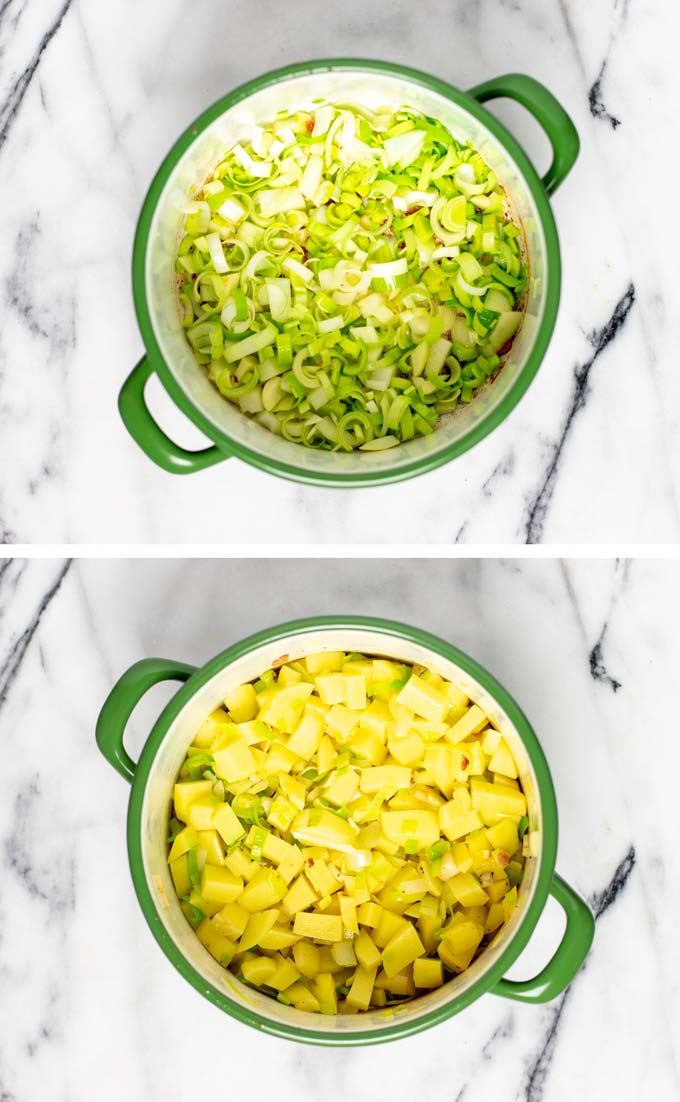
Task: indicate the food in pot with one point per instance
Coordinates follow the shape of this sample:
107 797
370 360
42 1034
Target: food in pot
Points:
348 276
347 832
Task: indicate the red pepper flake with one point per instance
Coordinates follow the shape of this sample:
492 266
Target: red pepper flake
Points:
464 762
310 125
506 348
280 661
310 862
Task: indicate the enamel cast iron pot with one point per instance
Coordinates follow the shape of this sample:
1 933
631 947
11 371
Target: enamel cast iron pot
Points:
153 777
193 157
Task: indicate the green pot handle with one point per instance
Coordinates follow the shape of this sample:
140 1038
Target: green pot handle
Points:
547 111
571 952
150 436
122 701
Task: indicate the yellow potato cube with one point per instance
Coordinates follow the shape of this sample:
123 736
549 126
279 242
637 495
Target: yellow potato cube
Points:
423 699
401 950
503 836
184 841
219 885
377 719
385 776
279 937
294 789
455 823
307 958
467 889
324 990
264 890
355 691
367 953
427 973
323 828
231 920
281 813
489 740
461 856
320 876
408 750
369 914
179 869
340 722
342 788
343 954
415 830
318 927
257 927
280 759
210 729
459 945
235 761
495 918
228 824
331 688
305 740
389 925
300 895
185 793
495 801
324 662
348 913
240 864
359 994
469 723
258 970
288 676
210 841
220 947
242 703
368 745
286 707
285 974
502 760
302 998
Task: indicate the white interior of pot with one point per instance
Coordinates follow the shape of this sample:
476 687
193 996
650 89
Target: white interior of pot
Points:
370 89
158 795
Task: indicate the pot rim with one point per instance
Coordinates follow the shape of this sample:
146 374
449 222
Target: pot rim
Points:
407 469
549 825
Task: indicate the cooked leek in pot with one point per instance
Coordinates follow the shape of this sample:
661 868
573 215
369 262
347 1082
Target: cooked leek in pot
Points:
348 276
347 832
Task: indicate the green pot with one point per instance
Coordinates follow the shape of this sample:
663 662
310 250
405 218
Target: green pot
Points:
152 780
195 154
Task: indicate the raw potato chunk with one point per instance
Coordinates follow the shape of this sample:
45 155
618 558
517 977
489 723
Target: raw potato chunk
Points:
348 832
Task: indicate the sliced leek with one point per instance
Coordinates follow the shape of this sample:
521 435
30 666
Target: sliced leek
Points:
347 277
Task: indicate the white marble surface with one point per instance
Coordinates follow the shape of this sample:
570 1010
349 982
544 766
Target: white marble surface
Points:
89 1006
92 95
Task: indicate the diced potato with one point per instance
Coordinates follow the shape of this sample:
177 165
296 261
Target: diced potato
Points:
359 994
330 661
391 849
185 793
264 890
219 885
502 760
323 828
241 703
286 707
385 776
231 920
234 761
307 958
324 990
184 841
469 723
300 895
427 973
225 821
423 699
257 927
401 950
304 742
220 947
367 953
258 970
318 927
413 830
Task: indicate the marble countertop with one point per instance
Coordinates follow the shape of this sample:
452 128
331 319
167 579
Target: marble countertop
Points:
92 96
91 1009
